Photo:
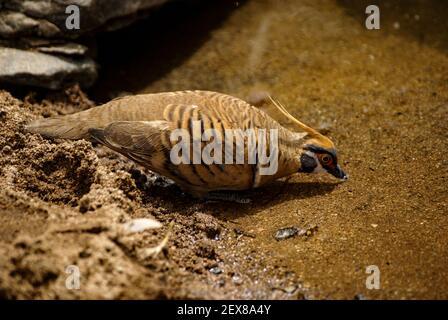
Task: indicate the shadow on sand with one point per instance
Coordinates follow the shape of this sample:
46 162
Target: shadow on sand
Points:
133 57
270 195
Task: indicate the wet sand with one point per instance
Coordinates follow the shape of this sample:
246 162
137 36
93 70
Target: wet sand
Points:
380 95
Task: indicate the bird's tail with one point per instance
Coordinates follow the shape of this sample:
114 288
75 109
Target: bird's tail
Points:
76 126
66 127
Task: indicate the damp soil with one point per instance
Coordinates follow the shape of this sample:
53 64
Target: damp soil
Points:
381 95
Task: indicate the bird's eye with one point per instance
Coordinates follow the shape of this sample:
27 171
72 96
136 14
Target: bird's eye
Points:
326 159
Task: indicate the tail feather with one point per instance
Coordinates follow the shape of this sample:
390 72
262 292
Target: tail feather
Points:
62 127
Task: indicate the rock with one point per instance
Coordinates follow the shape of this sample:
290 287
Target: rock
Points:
44 70
17 24
215 270
37 49
236 279
35 17
289 232
286 233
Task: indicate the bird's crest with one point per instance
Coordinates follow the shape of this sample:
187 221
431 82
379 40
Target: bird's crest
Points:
312 133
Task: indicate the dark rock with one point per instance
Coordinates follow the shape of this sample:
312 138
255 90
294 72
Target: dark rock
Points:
17 24
36 17
39 50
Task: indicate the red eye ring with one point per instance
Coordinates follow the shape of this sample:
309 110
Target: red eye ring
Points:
326 159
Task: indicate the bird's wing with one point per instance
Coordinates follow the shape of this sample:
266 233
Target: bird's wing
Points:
149 144
141 141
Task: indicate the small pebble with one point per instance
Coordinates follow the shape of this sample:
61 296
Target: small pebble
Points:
286 233
374 225
215 270
237 280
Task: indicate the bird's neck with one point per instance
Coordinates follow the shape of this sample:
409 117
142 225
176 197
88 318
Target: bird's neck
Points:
289 146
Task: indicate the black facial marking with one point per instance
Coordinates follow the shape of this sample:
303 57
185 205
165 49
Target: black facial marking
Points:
308 164
317 149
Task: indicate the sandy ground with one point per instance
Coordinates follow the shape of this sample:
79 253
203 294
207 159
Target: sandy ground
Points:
381 95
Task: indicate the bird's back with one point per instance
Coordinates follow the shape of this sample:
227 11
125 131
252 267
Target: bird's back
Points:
234 113
139 127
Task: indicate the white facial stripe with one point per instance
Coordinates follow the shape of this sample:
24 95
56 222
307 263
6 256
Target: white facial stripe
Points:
319 168
311 154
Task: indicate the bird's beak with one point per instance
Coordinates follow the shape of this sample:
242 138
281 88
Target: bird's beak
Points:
339 173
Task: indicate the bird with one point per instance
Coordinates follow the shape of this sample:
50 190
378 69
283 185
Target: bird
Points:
141 128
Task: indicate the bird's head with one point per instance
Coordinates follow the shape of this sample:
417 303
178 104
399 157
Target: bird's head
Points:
318 153
318 156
